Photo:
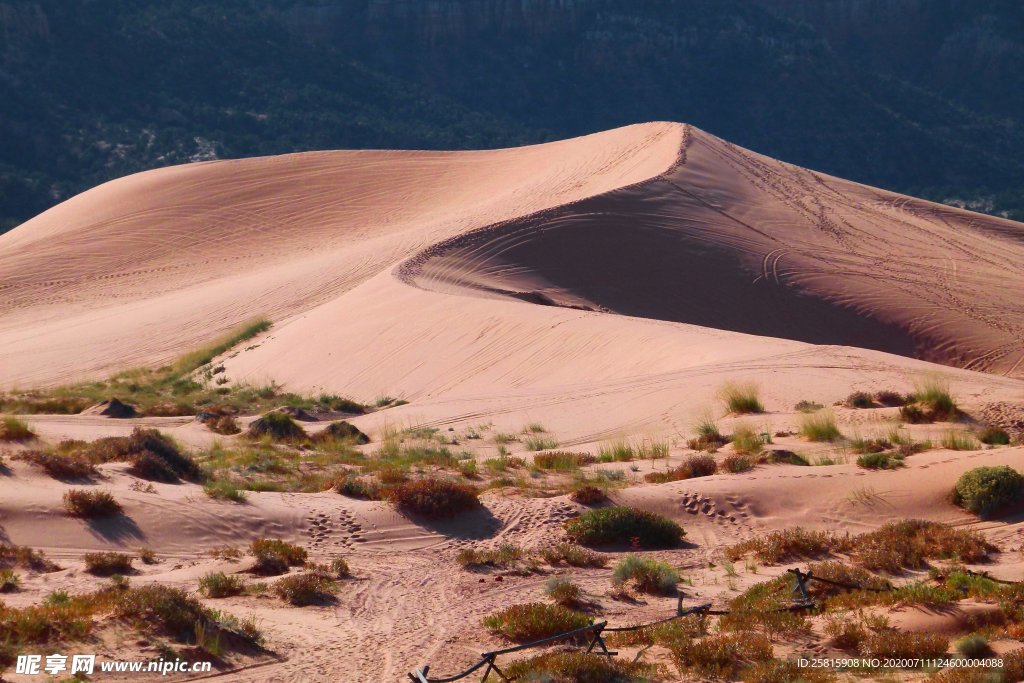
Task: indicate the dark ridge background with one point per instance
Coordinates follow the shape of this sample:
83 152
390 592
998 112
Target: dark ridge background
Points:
924 97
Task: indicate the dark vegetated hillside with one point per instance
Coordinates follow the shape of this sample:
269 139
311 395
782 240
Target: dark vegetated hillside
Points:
925 103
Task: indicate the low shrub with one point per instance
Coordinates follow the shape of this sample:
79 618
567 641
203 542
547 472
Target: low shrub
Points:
709 438
165 610
930 402
900 645
890 399
221 585
880 461
277 426
908 544
90 504
434 497
572 555
722 655
807 407
563 591
846 634
746 441
588 495
984 490
859 399
993 436
107 563
224 489
355 486
562 461
533 621
341 431
539 443
741 398
957 440
648 575
580 667
504 555
147 556
820 426
23 556
694 466
152 455
340 568
9 581
789 544
72 466
784 457
972 646
736 463
15 429
603 526
308 588
274 556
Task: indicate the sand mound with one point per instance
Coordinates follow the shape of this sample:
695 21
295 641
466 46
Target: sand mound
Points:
111 408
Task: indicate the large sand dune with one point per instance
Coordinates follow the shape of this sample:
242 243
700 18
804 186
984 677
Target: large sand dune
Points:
606 286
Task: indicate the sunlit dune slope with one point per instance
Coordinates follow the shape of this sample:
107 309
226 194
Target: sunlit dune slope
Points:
137 269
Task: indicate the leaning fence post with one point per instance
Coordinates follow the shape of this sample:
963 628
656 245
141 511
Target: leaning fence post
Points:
679 606
801 587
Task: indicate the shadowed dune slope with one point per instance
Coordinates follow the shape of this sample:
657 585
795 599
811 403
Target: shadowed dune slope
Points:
657 221
733 240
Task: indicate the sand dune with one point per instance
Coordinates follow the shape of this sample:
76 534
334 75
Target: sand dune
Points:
606 286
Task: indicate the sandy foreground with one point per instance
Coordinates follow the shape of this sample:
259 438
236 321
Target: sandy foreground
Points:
605 287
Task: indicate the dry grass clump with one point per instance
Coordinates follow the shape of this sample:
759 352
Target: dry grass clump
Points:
572 555
693 466
993 436
277 426
930 402
355 486
880 461
984 490
14 429
617 524
563 591
108 563
741 398
736 463
820 426
908 544
224 489
580 667
616 451
562 461
746 441
782 671
784 457
152 455
341 431
221 585
959 440
709 438
274 556
721 655
890 399
70 467
504 555
91 504
308 588
789 544
588 494
901 644
533 621
9 580
539 443
434 497
807 407
25 557
647 574
173 612
859 399
224 423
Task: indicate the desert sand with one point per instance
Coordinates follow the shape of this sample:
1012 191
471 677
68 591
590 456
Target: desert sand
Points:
605 287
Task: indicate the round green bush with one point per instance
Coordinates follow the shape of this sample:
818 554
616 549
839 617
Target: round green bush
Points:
985 489
604 526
